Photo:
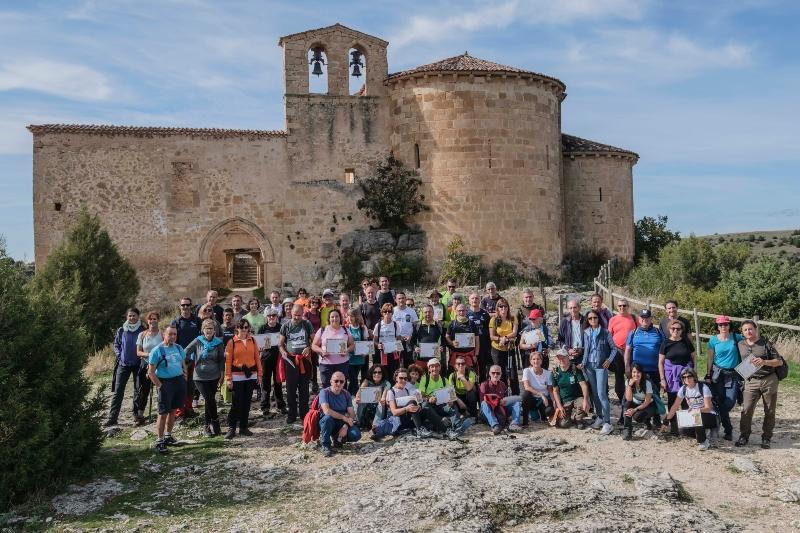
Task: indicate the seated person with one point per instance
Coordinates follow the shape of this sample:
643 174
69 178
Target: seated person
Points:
496 403
570 393
430 383
406 411
697 396
337 419
463 380
639 405
414 373
537 386
368 413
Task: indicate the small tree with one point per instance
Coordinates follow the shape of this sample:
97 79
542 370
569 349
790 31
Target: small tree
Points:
465 268
49 427
651 235
391 196
88 269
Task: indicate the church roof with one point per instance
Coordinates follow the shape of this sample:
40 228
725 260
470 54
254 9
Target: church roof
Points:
150 131
333 27
468 63
576 146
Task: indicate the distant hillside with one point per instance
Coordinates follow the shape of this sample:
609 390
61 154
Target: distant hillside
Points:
780 243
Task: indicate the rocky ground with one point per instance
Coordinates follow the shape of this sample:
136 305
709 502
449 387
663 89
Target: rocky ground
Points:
543 479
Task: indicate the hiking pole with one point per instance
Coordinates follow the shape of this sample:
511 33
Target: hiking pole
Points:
150 408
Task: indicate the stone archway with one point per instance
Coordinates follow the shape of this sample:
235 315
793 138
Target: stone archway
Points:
231 250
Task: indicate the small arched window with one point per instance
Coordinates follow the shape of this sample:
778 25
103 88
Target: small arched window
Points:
416 155
357 71
317 70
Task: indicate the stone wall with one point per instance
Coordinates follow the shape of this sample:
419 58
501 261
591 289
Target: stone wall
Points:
598 205
489 150
370 246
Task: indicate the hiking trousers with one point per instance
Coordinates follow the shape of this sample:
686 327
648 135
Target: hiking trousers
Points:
766 390
269 365
240 407
138 403
208 389
297 389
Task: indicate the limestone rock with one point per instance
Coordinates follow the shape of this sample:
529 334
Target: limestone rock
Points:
790 493
83 499
745 464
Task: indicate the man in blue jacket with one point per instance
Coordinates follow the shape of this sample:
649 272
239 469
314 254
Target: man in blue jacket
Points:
128 363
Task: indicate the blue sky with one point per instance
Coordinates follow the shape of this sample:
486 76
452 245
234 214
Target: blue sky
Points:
705 92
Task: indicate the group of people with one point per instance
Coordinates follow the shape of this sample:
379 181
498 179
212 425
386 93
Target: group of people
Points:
379 363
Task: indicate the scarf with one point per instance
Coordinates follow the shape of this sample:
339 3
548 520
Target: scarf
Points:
208 344
132 328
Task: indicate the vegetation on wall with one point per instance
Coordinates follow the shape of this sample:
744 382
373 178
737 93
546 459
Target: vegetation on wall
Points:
460 265
391 195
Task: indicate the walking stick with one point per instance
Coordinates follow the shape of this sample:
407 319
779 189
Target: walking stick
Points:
150 407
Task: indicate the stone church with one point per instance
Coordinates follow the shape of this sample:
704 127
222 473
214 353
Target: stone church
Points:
194 208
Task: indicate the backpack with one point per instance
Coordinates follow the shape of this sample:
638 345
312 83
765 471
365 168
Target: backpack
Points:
311 422
780 371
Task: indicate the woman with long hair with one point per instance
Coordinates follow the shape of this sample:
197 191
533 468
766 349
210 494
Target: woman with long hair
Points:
145 343
503 332
336 360
208 353
242 374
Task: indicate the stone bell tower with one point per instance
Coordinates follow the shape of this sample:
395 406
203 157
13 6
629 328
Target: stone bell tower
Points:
334 134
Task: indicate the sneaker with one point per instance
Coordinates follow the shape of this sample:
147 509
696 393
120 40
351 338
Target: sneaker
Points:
514 428
741 441
497 429
714 433
230 434
169 440
207 432
337 443
246 432
606 429
424 433
452 434
597 424
326 451
766 443
703 446
160 447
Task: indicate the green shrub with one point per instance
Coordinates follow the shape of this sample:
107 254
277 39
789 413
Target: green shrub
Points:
583 265
689 261
88 269
769 244
768 287
461 266
351 272
732 256
751 237
651 235
503 274
391 196
402 270
49 426
761 238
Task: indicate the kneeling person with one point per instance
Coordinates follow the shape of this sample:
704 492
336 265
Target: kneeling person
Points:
495 402
337 422
570 393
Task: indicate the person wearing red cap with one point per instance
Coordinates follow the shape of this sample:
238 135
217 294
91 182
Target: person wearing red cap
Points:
535 337
723 357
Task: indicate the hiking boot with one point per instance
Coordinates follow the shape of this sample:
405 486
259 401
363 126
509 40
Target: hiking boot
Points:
326 451
160 447
606 429
110 422
627 434
766 443
282 410
216 428
139 421
207 431
514 428
741 441
245 432
169 440
230 434
703 446
424 433
497 429
728 435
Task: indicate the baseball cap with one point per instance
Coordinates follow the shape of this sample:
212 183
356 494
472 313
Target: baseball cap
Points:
562 353
327 292
288 300
271 312
722 319
645 313
433 361
535 313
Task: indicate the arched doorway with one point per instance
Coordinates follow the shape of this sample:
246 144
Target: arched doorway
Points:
234 255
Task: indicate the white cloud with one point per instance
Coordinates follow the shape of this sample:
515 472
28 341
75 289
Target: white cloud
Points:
73 81
437 27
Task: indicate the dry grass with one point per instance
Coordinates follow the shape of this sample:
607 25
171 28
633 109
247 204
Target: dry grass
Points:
100 363
789 347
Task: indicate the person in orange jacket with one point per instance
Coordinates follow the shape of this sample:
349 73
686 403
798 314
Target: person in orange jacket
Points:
242 373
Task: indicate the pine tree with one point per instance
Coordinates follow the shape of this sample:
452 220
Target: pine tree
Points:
49 426
88 269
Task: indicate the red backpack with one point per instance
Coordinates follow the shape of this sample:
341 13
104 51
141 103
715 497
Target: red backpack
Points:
311 422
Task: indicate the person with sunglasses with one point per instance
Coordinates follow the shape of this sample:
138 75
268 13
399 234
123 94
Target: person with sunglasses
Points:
450 290
726 383
697 397
620 325
206 312
367 414
497 407
503 332
362 291
314 317
386 336
188 325
243 373
337 423
599 351
410 416
295 347
462 324
676 355
464 382
302 298
269 362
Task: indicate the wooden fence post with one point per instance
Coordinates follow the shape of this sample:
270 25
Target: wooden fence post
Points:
697 341
649 304
611 298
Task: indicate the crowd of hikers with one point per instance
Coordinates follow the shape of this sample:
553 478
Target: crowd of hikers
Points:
382 364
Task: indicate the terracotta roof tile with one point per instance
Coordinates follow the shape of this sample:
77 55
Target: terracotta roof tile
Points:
148 131
468 63
571 145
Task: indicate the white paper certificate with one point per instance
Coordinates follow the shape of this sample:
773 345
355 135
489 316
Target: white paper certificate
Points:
262 342
274 339
364 348
403 401
746 368
465 340
534 336
447 394
370 394
391 346
438 314
689 419
336 346
427 350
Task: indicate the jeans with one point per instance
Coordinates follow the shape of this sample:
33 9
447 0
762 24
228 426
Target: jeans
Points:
139 402
209 391
597 376
327 371
725 398
329 426
655 380
240 409
269 364
297 384
487 412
